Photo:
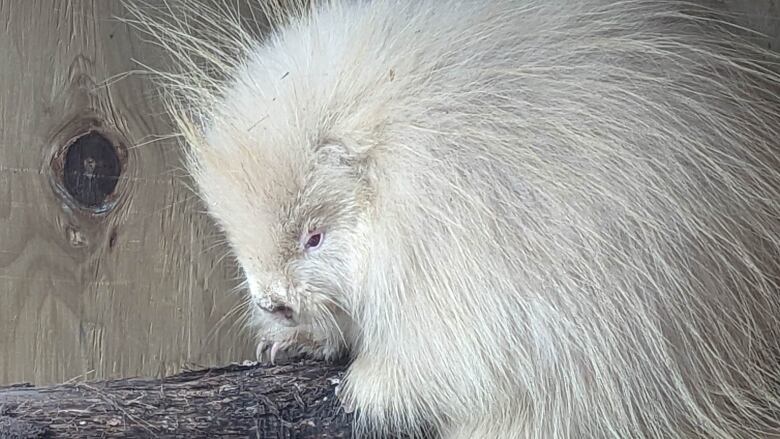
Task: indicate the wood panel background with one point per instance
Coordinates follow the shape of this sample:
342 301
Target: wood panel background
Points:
139 289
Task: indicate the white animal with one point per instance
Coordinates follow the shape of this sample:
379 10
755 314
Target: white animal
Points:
520 218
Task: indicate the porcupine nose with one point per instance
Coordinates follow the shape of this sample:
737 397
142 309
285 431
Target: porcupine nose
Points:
272 303
279 310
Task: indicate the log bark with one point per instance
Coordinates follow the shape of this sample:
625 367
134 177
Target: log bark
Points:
291 400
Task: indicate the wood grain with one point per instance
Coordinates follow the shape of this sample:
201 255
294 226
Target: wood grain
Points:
137 290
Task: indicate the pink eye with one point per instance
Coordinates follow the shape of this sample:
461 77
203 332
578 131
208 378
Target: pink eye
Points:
313 240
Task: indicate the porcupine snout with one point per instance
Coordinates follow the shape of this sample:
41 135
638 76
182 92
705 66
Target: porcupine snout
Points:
275 300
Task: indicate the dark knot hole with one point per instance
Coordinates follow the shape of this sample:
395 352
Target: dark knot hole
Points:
91 169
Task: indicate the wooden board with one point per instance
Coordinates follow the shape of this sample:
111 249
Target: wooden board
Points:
759 15
139 289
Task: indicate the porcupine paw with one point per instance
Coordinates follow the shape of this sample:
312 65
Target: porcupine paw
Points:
271 351
368 390
346 404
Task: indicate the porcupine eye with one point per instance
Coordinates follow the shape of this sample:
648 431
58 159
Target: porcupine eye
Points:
313 240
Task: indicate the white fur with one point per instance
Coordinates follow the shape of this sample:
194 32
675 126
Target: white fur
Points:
544 218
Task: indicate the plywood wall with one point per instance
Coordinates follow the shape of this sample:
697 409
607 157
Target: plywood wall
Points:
124 277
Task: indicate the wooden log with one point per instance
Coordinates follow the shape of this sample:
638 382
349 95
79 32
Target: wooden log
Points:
291 400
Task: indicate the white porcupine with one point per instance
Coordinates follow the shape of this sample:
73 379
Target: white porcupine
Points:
521 218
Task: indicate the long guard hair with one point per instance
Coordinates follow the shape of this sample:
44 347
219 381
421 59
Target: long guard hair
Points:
548 218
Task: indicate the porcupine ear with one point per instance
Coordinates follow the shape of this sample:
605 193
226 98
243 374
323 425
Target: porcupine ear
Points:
358 162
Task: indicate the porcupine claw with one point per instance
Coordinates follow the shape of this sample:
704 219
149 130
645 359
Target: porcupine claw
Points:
262 347
268 352
275 350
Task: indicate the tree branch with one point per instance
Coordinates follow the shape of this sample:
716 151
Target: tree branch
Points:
292 400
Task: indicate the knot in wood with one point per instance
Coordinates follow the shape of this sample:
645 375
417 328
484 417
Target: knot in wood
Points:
91 170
